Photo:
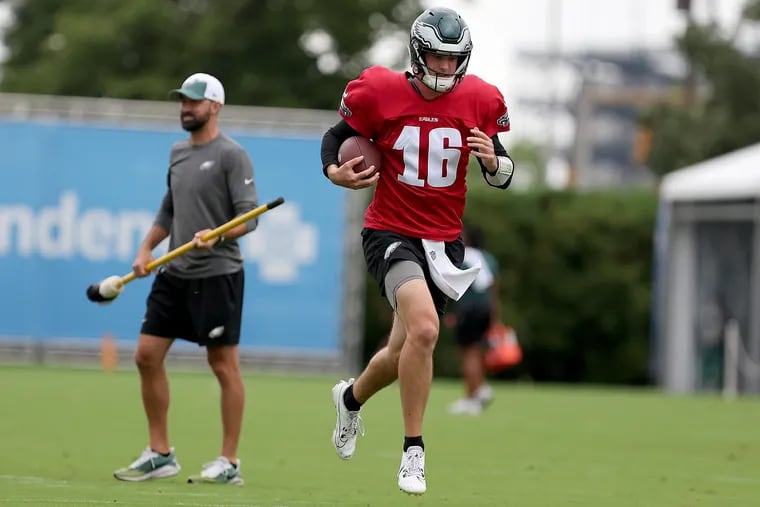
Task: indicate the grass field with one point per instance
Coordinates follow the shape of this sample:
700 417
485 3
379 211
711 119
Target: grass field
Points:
63 432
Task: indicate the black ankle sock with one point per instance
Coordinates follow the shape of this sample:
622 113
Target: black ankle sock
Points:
165 455
412 441
350 401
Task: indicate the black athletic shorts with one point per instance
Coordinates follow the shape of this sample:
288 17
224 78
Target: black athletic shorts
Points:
206 311
383 248
473 322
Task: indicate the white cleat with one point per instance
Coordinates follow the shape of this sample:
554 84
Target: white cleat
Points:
411 473
474 405
484 394
466 406
347 423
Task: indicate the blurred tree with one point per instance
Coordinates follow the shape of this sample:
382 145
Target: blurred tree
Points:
726 115
273 53
530 162
532 158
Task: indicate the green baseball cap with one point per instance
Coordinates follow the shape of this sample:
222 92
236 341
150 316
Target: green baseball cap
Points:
201 86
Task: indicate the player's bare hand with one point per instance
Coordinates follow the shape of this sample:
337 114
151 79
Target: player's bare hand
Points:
143 258
482 147
345 175
198 240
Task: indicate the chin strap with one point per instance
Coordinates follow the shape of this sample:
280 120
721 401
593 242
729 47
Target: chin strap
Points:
504 169
439 84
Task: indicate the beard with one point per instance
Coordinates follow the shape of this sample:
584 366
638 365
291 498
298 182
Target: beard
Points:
191 123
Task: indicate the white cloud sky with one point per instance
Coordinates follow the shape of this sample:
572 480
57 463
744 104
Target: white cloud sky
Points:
501 29
5 18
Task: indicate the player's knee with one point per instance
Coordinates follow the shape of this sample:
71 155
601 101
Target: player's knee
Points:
145 359
422 332
224 370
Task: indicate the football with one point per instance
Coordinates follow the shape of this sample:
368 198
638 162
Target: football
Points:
357 146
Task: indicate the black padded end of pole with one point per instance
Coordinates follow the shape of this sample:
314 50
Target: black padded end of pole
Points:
275 203
93 294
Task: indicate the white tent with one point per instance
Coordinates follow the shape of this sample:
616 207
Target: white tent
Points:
707 274
732 176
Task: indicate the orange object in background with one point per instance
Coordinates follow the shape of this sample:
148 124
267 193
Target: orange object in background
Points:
503 348
109 353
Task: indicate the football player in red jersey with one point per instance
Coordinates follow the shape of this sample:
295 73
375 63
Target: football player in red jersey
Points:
426 123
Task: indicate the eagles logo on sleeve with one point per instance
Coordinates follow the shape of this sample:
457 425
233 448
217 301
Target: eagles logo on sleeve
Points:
503 120
344 110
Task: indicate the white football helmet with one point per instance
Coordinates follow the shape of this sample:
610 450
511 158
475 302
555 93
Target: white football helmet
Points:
442 31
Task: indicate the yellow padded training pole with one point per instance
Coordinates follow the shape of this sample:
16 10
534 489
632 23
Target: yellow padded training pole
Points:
181 250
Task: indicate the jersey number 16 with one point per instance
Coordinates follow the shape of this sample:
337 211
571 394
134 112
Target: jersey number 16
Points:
442 161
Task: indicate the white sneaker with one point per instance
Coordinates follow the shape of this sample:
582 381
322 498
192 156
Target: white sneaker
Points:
484 394
411 473
466 406
150 465
347 423
219 471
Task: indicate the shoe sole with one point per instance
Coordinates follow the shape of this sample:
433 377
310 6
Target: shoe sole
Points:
337 392
462 409
412 493
159 473
236 481
470 413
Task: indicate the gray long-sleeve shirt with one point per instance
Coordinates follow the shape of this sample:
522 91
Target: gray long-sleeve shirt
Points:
208 185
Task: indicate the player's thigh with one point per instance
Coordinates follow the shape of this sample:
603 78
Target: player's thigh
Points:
166 313
385 249
216 307
382 249
416 309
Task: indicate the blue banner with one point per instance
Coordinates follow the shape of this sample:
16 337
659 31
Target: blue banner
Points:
76 201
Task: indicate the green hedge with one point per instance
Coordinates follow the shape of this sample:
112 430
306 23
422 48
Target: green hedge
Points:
575 283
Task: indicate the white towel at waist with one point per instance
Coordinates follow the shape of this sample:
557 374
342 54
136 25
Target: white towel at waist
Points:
450 279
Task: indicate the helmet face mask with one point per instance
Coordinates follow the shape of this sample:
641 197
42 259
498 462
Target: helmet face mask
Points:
439 31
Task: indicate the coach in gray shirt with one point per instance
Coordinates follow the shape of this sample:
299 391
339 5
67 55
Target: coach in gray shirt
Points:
199 296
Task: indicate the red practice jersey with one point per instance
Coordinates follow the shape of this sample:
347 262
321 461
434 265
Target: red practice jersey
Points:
421 190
